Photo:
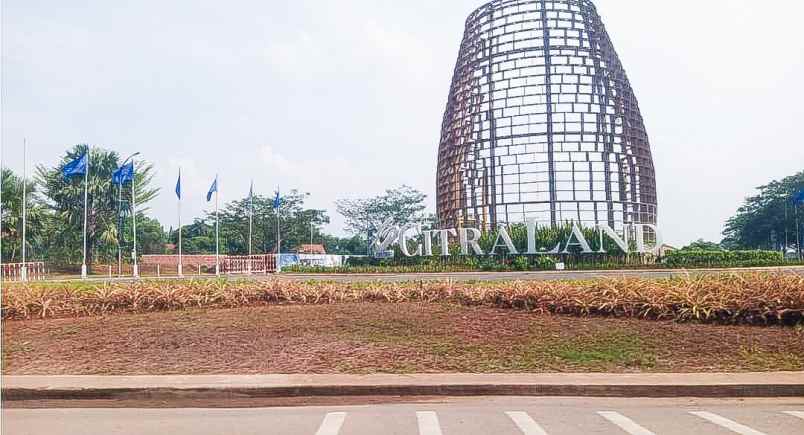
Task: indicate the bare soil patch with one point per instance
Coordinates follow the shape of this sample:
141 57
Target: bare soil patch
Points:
386 338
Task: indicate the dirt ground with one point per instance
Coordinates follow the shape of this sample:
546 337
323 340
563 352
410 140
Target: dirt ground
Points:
386 338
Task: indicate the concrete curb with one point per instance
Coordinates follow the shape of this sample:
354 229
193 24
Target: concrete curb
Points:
278 386
646 391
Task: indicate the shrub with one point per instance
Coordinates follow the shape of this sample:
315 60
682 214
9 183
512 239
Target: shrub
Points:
750 298
688 259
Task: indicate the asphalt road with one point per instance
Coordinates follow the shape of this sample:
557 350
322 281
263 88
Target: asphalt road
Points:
459 276
473 416
524 276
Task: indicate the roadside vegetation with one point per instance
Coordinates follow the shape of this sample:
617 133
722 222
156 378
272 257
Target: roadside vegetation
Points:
681 259
738 298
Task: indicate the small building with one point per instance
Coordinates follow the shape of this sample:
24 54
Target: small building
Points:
666 249
312 250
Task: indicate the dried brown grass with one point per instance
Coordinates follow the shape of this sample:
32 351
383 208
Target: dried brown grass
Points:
744 298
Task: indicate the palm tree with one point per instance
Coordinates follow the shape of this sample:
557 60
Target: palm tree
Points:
65 198
12 218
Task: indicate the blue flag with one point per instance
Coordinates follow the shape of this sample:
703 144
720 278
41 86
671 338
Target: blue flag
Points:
76 167
178 186
212 189
124 174
799 199
277 200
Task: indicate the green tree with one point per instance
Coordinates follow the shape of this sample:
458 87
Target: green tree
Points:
197 238
763 220
12 219
294 222
65 199
365 216
151 237
702 245
343 245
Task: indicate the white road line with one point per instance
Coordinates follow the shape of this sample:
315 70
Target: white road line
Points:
625 423
525 423
726 423
799 414
428 423
332 423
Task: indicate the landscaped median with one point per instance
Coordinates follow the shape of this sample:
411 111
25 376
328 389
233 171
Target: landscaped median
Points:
695 324
732 298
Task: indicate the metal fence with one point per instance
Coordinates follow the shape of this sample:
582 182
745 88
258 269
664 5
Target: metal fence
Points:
17 272
245 265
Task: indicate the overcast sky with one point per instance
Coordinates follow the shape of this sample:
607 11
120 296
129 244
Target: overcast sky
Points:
344 98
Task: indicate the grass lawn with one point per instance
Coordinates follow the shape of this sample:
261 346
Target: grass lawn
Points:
386 338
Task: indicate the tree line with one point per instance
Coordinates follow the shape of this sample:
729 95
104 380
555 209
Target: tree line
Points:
55 217
771 219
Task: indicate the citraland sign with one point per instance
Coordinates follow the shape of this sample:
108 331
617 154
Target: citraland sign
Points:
414 241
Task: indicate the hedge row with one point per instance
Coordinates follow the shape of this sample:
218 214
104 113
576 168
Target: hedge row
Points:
690 259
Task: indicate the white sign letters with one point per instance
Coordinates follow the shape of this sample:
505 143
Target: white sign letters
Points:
413 241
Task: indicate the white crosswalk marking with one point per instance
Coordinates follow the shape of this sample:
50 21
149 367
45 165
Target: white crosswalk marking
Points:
726 423
799 414
332 423
428 423
625 423
525 423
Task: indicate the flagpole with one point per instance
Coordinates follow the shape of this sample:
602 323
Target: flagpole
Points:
250 223
181 271
786 240
278 235
798 233
217 231
24 270
119 230
86 204
136 270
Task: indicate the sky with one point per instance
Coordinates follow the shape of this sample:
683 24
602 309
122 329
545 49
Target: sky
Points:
344 99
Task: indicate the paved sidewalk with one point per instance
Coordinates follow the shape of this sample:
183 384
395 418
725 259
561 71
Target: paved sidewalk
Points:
782 384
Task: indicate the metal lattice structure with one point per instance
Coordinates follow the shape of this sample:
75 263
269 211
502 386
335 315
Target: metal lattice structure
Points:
542 123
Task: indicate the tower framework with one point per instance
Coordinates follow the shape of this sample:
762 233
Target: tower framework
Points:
542 123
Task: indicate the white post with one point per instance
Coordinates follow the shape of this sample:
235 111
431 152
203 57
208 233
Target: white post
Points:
278 243
86 205
250 223
798 233
217 231
181 271
24 270
136 271
119 230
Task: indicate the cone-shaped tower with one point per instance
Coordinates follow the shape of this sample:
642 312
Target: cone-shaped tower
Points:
542 123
